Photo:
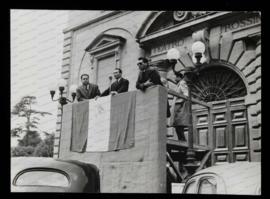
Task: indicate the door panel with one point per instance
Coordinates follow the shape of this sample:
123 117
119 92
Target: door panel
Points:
220 136
203 136
238 132
224 129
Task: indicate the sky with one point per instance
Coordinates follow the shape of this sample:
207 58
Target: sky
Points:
36 58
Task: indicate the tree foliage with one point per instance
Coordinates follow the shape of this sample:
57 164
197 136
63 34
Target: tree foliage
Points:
24 109
45 147
22 151
31 143
31 138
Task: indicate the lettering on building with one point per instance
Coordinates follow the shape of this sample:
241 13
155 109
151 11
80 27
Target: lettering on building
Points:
240 24
165 46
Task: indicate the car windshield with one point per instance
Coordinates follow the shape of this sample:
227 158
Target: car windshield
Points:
42 178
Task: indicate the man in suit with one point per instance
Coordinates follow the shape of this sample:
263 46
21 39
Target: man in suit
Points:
87 90
148 77
119 86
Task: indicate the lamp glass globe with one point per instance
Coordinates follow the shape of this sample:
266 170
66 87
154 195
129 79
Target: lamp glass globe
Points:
73 88
172 54
198 47
62 83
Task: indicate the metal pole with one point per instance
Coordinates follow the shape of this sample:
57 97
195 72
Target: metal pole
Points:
191 166
60 130
190 128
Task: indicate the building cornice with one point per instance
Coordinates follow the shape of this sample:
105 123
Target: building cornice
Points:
96 20
169 30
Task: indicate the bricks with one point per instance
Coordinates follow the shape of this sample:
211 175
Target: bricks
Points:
256 144
66 62
67 35
65 69
250 99
226 45
237 51
214 42
255 134
258 50
67 42
67 48
66 55
255 86
247 57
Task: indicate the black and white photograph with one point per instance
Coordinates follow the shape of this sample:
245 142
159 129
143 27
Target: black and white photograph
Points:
135 101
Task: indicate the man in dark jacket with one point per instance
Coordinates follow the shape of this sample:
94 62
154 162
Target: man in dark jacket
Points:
87 90
119 86
148 77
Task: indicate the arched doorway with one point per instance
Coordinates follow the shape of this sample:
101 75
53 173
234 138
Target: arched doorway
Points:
225 127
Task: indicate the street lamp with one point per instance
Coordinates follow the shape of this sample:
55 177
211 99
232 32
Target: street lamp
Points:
63 100
198 49
61 86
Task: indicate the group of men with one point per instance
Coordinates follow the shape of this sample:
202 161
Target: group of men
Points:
146 78
89 91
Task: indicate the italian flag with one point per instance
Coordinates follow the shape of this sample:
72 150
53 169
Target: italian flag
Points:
105 124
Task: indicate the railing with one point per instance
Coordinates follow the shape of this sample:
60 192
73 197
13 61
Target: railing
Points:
180 144
172 92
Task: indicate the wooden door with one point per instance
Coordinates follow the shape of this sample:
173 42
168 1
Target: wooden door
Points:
224 128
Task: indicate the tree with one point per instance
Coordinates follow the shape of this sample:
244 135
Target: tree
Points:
31 139
45 148
22 151
24 109
16 131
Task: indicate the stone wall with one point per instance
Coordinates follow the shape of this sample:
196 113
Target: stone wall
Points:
141 169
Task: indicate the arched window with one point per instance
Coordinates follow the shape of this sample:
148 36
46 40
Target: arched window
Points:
217 83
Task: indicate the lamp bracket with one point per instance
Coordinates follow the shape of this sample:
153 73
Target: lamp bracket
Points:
201 35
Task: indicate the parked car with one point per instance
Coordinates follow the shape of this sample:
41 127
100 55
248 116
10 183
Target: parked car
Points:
240 178
39 174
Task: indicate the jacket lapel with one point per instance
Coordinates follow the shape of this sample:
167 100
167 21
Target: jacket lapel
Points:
90 90
84 91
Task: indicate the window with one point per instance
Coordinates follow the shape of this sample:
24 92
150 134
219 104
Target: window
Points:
218 83
208 186
105 52
42 178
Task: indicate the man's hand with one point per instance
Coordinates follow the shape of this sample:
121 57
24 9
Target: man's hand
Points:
148 83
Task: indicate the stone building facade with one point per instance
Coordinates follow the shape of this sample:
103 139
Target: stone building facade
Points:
95 42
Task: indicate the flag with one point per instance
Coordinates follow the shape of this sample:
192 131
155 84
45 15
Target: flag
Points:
105 124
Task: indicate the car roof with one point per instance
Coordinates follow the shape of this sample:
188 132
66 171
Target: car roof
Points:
74 168
239 177
20 163
225 168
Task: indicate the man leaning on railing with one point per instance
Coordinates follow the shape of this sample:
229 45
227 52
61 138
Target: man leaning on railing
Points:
148 77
